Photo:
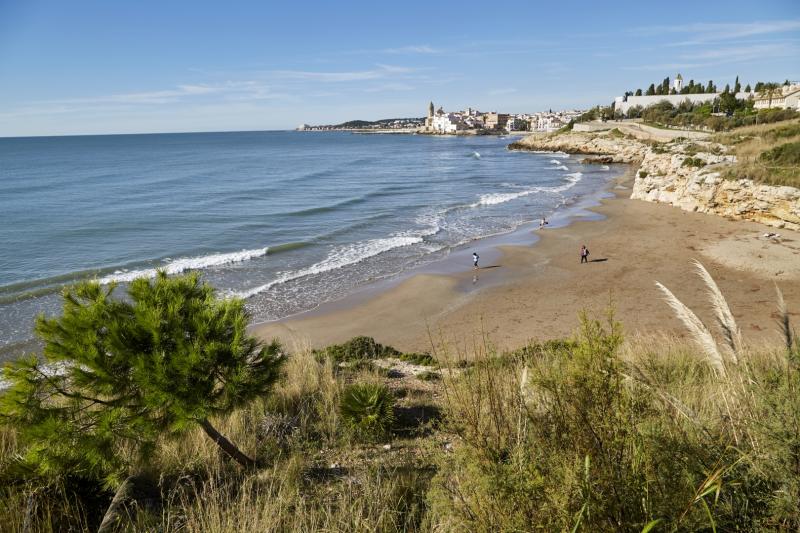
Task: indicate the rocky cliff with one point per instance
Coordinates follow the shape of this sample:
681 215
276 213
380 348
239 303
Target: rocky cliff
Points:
685 174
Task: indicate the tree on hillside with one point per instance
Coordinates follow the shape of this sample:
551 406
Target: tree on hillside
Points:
119 374
727 88
759 86
665 86
737 87
638 92
728 103
651 90
710 87
747 89
770 90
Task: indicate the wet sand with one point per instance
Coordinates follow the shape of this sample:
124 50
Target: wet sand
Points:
536 292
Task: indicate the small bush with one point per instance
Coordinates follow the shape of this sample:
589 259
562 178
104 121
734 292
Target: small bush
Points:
368 409
422 359
785 154
429 375
643 174
356 348
693 162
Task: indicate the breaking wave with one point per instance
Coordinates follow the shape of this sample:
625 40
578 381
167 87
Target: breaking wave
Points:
178 266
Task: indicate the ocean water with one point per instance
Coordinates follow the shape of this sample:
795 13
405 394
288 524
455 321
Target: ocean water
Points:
286 220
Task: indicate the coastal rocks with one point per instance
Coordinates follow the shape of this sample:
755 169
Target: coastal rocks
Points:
614 149
665 179
597 160
684 173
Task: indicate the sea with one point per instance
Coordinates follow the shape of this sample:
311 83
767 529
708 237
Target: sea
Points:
285 220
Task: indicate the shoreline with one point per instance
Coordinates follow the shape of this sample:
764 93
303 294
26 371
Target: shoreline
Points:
536 290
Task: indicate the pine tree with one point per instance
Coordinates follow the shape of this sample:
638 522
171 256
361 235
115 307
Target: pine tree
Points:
710 87
119 374
737 87
747 89
727 88
651 90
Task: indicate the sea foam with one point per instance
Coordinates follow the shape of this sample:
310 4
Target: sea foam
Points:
178 266
338 258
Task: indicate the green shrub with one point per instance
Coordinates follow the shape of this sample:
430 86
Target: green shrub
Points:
368 409
786 154
693 162
643 173
423 358
429 375
356 348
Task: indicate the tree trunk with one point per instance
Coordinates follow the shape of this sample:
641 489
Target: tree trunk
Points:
135 490
226 445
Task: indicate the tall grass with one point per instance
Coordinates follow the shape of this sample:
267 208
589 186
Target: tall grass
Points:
593 433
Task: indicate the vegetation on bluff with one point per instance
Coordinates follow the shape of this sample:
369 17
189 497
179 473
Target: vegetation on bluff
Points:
766 153
591 433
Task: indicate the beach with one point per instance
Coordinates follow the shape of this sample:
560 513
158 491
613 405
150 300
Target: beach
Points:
537 292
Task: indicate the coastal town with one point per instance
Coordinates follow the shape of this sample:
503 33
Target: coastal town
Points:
672 92
470 121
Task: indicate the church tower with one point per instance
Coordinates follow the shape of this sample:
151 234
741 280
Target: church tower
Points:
677 84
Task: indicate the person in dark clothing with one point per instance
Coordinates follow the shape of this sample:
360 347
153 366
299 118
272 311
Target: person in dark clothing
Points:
584 254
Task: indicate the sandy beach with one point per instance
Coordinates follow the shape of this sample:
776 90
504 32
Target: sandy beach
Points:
536 292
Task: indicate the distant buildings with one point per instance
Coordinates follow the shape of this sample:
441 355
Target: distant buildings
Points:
474 121
782 97
624 103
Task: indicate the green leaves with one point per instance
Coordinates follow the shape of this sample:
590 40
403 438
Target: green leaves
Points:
119 374
368 408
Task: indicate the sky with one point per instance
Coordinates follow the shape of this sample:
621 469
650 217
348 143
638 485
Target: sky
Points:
116 66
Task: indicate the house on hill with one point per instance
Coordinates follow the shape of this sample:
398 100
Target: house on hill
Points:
785 97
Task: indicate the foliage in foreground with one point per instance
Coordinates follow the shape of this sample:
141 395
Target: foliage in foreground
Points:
587 434
368 409
118 375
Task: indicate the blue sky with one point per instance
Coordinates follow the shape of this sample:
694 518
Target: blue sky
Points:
111 66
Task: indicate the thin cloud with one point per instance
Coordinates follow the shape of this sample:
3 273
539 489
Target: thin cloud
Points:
383 71
725 55
413 49
706 32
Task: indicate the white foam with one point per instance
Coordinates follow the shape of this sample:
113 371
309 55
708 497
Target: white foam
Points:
575 176
562 155
338 258
503 197
559 167
476 155
606 167
177 266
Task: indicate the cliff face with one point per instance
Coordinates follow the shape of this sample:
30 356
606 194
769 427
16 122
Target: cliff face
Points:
620 149
666 176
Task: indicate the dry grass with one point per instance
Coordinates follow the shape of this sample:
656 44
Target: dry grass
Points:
588 434
750 142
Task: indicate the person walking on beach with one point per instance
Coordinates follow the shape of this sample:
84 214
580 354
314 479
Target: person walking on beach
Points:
543 223
584 254
475 258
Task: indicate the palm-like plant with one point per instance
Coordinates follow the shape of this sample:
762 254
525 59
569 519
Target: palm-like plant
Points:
368 408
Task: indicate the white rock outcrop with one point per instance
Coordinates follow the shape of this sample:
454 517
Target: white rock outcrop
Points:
665 176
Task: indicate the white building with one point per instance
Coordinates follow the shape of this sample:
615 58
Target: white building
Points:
677 83
785 97
623 103
447 122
